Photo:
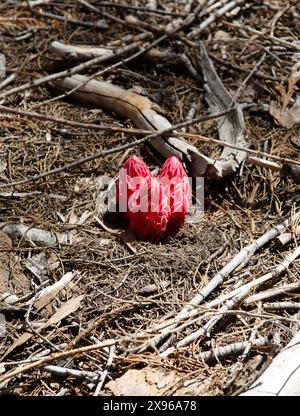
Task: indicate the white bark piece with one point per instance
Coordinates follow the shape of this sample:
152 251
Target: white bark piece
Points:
285 238
282 377
70 372
47 294
81 53
234 349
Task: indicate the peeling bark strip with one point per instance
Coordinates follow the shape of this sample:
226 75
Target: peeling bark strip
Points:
231 127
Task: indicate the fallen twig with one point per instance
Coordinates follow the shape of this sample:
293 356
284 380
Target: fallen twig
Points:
281 305
216 14
105 372
90 376
271 293
96 25
235 349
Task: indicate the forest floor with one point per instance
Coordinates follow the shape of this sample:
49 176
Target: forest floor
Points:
106 296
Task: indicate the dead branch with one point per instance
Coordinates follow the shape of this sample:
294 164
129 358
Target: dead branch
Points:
86 53
214 16
90 376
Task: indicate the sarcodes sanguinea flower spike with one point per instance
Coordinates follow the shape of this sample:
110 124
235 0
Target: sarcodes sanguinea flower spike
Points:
177 188
147 219
154 207
130 179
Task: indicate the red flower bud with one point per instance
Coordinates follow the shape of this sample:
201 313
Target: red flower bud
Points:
154 207
147 219
176 185
130 179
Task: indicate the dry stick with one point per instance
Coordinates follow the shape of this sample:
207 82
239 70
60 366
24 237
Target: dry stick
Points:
240 69
269 37
254 160
70 372
60 355
271 293
254 70
105 372
7 80
214 16
127 7
234 349
208 327
96 25
280 269
285 238
191 308
281 305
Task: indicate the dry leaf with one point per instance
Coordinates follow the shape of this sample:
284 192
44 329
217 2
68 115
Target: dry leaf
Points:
38 265
66 309
153 382
49 293
12 278
145 382
286 117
